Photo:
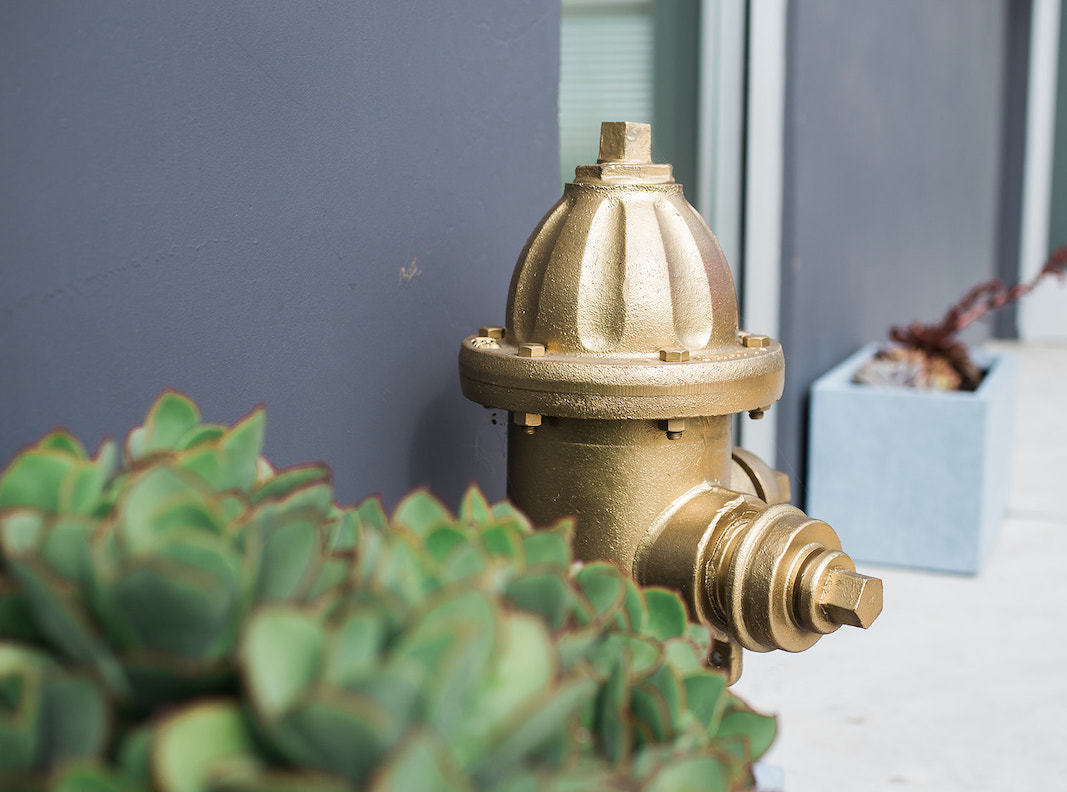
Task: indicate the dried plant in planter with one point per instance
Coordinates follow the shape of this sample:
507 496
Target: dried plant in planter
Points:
932 355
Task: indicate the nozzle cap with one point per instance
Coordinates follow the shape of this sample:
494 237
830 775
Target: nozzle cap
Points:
851 598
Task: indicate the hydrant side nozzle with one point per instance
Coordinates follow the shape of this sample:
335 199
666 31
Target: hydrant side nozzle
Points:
767 576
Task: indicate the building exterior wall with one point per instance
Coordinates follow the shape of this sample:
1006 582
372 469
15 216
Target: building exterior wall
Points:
893 183
301 204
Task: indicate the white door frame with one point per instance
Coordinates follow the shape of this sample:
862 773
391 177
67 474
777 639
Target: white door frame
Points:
1042 315
724 181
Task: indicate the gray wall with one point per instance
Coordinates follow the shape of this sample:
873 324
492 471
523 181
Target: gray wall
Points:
893 184
224 198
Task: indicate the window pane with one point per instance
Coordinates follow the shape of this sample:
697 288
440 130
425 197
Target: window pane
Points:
606 74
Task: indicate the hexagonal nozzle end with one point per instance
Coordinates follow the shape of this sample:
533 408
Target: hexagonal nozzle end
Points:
851 598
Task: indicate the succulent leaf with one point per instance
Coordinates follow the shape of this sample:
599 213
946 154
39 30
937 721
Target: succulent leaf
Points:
653 716
604 587
290 540
154 680
441 541
666 614
59 613
422 764
91 777
644 654
190 746
372 514
81 487
16 618
522 671
757 730
353 648
345 532
467 562
284 483
47 715
278 781
421 512
346 736
142 525
282 654
134 755
22 531
683 655
700 636
636 608
456 640
612 721
578 645
241 447
547 548
547 595
62 440
505 511
700 772
21 680
197 435
169 418
78 718
505 541
668 688
195 585
537 725
401 570
35 479
474 509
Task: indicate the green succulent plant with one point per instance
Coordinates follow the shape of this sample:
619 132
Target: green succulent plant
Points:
146 576
212 625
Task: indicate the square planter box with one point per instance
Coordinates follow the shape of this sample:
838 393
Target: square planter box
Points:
910 477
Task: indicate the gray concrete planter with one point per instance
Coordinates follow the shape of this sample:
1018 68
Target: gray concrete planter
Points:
908 477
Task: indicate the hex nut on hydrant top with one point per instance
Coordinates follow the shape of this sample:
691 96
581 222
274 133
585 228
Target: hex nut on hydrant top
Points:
621 365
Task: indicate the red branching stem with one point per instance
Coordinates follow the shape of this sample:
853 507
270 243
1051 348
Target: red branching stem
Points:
939 339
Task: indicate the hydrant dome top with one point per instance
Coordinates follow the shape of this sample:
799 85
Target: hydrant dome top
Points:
622 306
623 264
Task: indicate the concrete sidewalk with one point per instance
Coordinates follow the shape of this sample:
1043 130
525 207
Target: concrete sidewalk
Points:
961 684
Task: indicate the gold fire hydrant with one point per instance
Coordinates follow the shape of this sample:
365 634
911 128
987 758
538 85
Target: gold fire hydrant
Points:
621 365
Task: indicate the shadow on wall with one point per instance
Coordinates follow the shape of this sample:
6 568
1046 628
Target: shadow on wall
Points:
451 427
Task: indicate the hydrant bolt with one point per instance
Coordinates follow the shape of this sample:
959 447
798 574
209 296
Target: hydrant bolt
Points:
531 350
675 427
674 355
529 421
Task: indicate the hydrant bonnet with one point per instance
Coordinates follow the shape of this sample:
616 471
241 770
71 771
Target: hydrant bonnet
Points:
626 292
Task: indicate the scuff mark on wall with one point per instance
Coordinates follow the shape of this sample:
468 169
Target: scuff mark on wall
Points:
409 273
